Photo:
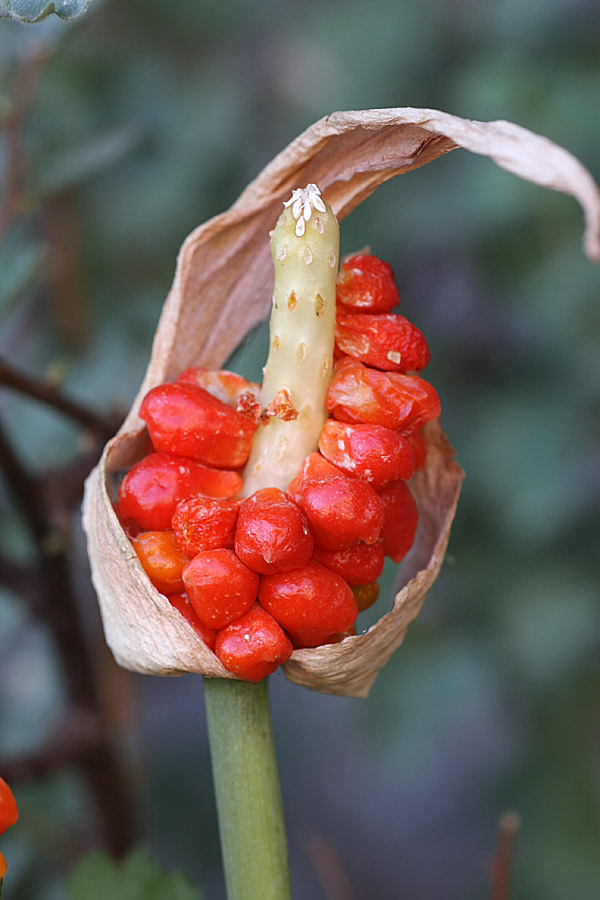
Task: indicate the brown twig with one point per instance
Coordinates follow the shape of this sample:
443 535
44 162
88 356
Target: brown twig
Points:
69 745
328 869
508 827
48 393
99 765
14 125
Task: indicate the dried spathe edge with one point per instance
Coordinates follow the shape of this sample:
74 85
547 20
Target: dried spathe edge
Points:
222 288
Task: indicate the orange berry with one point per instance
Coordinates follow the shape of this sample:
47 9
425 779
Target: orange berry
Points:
162 559
8 807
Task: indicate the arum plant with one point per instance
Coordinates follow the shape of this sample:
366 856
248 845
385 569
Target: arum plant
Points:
226 279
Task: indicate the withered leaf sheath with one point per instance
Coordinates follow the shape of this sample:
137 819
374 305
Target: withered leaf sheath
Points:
222 288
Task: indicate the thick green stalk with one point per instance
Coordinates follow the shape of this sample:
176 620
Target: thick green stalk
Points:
248 795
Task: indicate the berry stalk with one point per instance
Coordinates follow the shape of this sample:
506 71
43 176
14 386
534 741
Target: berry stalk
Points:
248 795
305 250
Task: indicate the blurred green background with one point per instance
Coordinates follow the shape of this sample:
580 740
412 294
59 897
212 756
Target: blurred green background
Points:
145 119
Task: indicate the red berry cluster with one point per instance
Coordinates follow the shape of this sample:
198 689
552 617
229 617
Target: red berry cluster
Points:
260 576
8 816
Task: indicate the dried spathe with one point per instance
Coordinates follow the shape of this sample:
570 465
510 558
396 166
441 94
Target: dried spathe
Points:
221 289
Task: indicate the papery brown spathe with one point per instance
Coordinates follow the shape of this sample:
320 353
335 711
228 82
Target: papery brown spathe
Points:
222 288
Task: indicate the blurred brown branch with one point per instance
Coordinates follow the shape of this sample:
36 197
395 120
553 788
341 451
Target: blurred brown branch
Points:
329 869
84 739
14 124
47 392
508 827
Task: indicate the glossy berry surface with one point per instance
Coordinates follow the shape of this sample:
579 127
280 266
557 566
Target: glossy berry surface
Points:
8 807
205 523
181 603
400 519
311 603
340 510
161 559
226 386
389 342
220 587
367 283
272 533
358 564
373 453
400 402
365 595
418 443
253 646
186 420
151 490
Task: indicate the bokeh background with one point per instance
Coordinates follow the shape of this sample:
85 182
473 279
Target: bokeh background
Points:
141 120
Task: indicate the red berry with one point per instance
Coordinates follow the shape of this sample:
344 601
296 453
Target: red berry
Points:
400 518
226 386
130 527
401 402
389 342
373 453
253 646
272 533
219 587
8 807
358 564
161 559
367 283
340 510
183 605
153 487
419 447
186 420
366 595
205 523
338 638
311 603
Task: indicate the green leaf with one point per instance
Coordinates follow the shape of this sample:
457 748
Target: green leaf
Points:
36 10
97 877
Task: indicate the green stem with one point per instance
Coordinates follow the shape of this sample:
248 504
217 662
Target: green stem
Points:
248 795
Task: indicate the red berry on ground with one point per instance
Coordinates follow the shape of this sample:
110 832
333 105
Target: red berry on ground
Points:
151 490
311 603
8 807
367 283
183 605
272 533
253 646
161 559
362 395
389 342
358 564
340 510
373 453
186 420
400 519
205 523
220 587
